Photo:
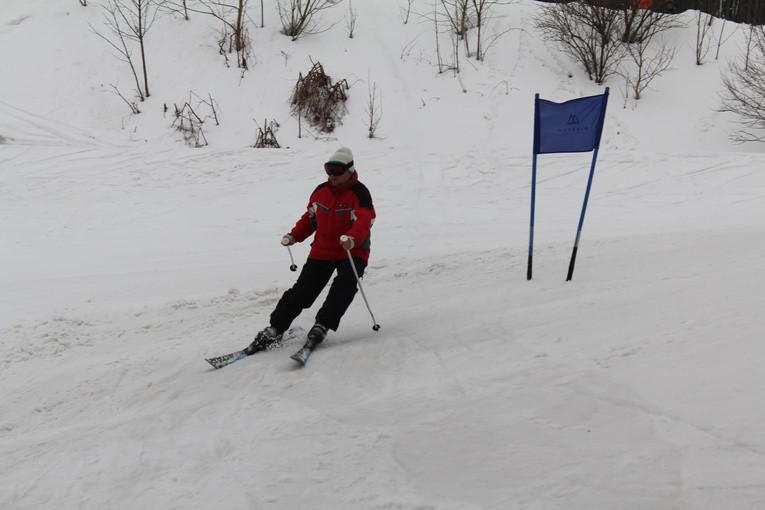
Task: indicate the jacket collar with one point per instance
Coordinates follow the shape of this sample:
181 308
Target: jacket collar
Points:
350 182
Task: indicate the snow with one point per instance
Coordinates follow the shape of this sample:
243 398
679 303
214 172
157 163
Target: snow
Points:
128 257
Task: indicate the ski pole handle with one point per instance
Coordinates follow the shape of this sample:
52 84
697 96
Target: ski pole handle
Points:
375 326
288 240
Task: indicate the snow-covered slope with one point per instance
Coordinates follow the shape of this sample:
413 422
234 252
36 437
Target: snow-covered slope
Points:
127 258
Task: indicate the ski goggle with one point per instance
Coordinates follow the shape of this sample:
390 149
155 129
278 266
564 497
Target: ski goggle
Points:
337 169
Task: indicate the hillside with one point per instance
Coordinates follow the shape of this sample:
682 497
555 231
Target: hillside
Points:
128 257
66 78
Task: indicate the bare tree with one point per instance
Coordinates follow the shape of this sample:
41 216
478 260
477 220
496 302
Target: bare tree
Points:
139 20
749 44
297 16
239 42
703 28
640 26
482 11
590 32
720 40
350 21
455 66
409 45
646 66
755 14
438 45
234 37
131 104
642 19
405 12
176 6
454 37
458 17
744 92
374 109
129 23
481 8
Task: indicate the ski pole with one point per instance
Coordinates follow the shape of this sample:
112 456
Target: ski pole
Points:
293 267
286 240
375 327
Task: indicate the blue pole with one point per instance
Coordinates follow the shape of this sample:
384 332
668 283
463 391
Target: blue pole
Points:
533 185
581 216
531 222
589 186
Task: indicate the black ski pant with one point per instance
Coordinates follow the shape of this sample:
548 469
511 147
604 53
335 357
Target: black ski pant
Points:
313 278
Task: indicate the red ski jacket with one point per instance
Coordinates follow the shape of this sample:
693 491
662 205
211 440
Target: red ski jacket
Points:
333 212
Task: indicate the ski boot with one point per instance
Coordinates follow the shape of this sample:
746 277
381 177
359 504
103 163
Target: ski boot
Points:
268 338
316 335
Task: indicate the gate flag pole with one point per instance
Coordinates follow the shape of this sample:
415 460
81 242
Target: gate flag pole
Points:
572 126
533 190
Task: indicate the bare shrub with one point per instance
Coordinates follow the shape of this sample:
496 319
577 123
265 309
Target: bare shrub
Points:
744 92
189 123
645 66
266 137
640 24
318 100
234 36
298 16
590 32
643 62
459 18
131 104
227 45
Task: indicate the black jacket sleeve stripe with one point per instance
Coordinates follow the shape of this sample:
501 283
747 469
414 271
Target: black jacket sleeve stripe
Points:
362 193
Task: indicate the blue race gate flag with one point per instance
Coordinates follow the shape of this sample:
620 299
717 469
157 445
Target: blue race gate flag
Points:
573 126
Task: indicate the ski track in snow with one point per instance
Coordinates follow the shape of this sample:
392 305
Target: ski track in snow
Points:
528 387
32 130
375 414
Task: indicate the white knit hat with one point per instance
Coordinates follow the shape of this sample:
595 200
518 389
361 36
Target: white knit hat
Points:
343 156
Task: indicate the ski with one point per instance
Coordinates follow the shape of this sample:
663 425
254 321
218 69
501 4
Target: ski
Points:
226 359
302 355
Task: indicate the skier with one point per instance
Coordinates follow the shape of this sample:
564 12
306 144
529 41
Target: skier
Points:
340 207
